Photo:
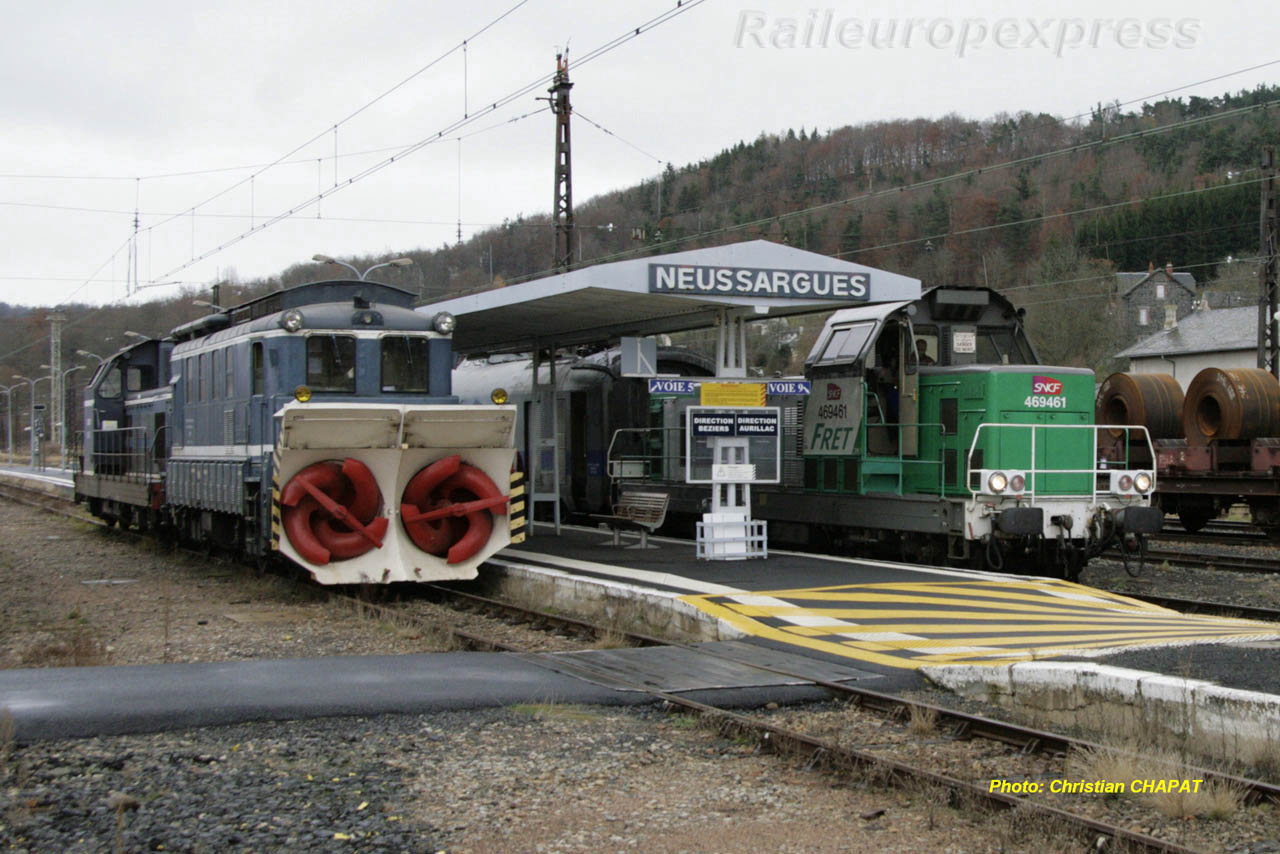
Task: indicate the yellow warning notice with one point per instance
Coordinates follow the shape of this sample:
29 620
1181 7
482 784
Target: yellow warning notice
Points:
733 394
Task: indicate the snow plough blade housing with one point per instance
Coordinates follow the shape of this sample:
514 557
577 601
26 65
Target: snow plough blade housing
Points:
331 457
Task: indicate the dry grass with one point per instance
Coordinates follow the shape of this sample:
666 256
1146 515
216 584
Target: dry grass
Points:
1263 761
1213 800
924 720
76 647
8 729
1023 829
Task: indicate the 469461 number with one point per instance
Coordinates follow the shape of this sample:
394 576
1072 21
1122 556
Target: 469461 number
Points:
1039 401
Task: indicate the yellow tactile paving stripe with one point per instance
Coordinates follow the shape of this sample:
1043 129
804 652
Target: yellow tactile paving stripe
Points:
966 621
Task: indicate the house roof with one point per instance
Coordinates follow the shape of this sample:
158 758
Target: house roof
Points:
1211 331
1128 282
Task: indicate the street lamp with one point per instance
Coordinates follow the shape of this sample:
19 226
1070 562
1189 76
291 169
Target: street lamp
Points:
62 410
204 303
32 383
8 417
325 259
90 355
129 333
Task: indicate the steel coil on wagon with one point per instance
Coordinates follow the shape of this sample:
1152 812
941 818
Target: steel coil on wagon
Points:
1152 400
1225 405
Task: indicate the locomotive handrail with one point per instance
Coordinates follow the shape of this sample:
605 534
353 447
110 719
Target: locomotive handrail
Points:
616 467
903 460
125 453
1032 471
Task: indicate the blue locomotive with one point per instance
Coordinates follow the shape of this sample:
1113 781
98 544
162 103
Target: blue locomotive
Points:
317 423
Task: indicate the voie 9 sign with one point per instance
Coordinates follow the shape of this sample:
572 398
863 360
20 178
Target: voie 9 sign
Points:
757 282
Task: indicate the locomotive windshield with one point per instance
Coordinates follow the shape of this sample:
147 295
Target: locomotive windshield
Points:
846 343
1003 347
404 364
331 363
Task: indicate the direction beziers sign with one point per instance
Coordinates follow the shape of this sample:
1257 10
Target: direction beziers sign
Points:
758 282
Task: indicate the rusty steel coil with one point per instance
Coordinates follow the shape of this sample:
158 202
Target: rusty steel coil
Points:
1223 405
1152 400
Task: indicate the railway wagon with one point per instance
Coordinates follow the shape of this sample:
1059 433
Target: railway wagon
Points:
1216 446
316 423
931 433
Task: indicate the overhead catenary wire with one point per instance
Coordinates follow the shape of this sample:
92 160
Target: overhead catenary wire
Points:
444 133
681 7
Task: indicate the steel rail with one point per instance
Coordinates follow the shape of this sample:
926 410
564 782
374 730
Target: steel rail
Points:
963 724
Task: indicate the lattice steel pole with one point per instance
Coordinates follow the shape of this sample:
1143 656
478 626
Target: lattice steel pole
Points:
56 395
563 209
1268 296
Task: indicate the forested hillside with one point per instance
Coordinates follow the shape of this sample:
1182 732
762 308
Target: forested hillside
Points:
1041 207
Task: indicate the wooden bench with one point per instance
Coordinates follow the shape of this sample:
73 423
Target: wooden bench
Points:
636 511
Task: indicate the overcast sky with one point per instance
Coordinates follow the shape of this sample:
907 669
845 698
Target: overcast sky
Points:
97 95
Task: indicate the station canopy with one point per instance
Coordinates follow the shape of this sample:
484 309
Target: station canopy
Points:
665 293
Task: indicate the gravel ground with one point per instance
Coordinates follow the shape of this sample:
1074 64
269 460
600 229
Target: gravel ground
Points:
522 779
1251 667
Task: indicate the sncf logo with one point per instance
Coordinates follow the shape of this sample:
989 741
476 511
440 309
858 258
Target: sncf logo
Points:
833 391
1046 385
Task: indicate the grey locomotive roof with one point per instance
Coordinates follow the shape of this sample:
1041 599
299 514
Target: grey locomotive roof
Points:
1211 331
606 301
1129 281
323 306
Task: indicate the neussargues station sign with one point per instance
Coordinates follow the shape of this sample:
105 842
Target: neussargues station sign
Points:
758 282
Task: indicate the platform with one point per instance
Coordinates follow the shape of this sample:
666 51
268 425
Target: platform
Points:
886 615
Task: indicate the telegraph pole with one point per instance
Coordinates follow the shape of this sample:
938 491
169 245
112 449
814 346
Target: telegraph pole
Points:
564 177
1269 291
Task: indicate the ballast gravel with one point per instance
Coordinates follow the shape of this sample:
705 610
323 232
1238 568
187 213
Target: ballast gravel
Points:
533 778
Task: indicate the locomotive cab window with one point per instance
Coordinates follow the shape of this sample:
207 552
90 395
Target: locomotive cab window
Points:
110 385
331 363
404 364
139 378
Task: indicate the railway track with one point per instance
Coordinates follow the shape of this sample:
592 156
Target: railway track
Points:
1206 560
816 751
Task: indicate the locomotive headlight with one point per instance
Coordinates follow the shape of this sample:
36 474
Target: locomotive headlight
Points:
1125 483
291 320
1142 482
302 393
444 322
498 396
1017 483
997 482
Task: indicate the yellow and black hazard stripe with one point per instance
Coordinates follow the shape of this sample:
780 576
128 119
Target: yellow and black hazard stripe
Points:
275 501
516 509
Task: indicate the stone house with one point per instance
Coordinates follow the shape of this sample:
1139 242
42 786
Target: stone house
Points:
1208 338
1151 301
